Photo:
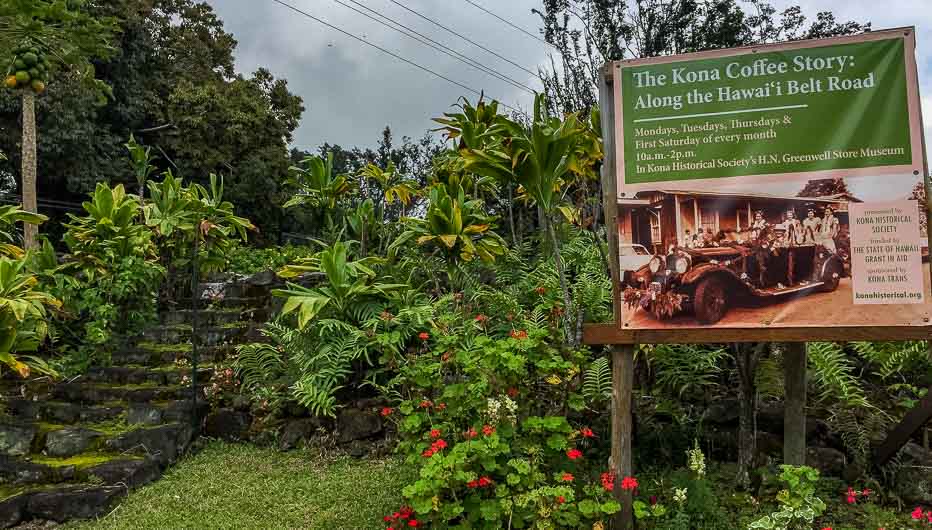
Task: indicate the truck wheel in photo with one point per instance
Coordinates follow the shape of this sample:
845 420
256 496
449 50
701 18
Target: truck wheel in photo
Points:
831 275
711 300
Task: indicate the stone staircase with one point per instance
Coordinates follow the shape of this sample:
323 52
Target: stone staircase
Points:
70 449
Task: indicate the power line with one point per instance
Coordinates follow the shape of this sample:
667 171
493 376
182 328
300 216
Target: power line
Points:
407 31
522 30
386 51
460 35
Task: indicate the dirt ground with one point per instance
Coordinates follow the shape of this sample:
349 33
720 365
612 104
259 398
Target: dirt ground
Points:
814 309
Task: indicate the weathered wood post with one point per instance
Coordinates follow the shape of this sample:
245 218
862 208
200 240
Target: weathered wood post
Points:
622 387
794 414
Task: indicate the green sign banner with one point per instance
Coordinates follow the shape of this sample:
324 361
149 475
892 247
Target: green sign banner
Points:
834 107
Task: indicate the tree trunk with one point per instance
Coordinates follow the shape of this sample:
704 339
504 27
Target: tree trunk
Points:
567 301
30 231
511 214
746 358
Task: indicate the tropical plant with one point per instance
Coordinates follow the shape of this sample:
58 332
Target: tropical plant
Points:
542 158
395 186
318 186
349 290
23 316
10 214
799 505
456 226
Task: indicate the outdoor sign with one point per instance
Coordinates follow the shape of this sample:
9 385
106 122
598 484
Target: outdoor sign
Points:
777 185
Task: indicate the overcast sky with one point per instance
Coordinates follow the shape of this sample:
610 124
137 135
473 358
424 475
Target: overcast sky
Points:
352 90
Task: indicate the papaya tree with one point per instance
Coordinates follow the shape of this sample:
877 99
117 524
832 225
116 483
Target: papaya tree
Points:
47 37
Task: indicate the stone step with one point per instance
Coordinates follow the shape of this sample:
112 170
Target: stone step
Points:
141 375
241 302
62 412
98 393
207 336
91 492
153 355
206 317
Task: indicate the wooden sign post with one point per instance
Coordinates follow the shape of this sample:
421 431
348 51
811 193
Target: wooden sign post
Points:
741 175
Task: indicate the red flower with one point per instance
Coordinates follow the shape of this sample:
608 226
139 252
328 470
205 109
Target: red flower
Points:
653 500
470 434
413 522
827 528
387 518
484 481
481 318
561 499
446 356
629 483
487 430
573 454
435 433
441 406
851 496
567 477
424 335
438 445
608 481
426 404
866 492
472 484
520 335
917 514
428 453
512 392
540 290
387 411
586 432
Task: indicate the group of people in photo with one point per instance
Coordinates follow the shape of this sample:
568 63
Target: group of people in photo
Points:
790 232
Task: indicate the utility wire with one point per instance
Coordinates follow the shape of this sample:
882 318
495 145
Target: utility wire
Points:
465 38
386 51
522 30
407 31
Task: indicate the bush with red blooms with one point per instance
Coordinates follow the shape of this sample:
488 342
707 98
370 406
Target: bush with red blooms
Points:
502 450
921 516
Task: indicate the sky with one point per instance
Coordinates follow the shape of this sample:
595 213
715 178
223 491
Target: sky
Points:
352 91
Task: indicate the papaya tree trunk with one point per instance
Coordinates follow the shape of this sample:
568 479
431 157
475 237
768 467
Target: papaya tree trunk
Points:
511 214
30 231
567 300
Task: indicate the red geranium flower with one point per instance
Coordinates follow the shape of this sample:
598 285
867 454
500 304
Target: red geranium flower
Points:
428 453
387 411
567 477
484 481
488 430
629 483
481 318
441 406
472 484
413 523
423 335
512 392
573 454
435 433
438 445
608 481
917 514
586 432
520 335
426 404
470 434
561 499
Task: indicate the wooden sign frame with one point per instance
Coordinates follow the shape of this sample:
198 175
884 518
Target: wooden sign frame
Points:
618 332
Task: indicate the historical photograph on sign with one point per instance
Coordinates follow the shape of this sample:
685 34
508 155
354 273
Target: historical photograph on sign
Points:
774 206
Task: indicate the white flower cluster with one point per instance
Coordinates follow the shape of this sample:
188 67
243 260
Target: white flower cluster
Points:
501 409
696 460
679 495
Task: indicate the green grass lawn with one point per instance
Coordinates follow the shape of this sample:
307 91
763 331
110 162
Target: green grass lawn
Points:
243 486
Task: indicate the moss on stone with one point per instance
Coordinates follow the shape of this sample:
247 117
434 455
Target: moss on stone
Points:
158 347
79 461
